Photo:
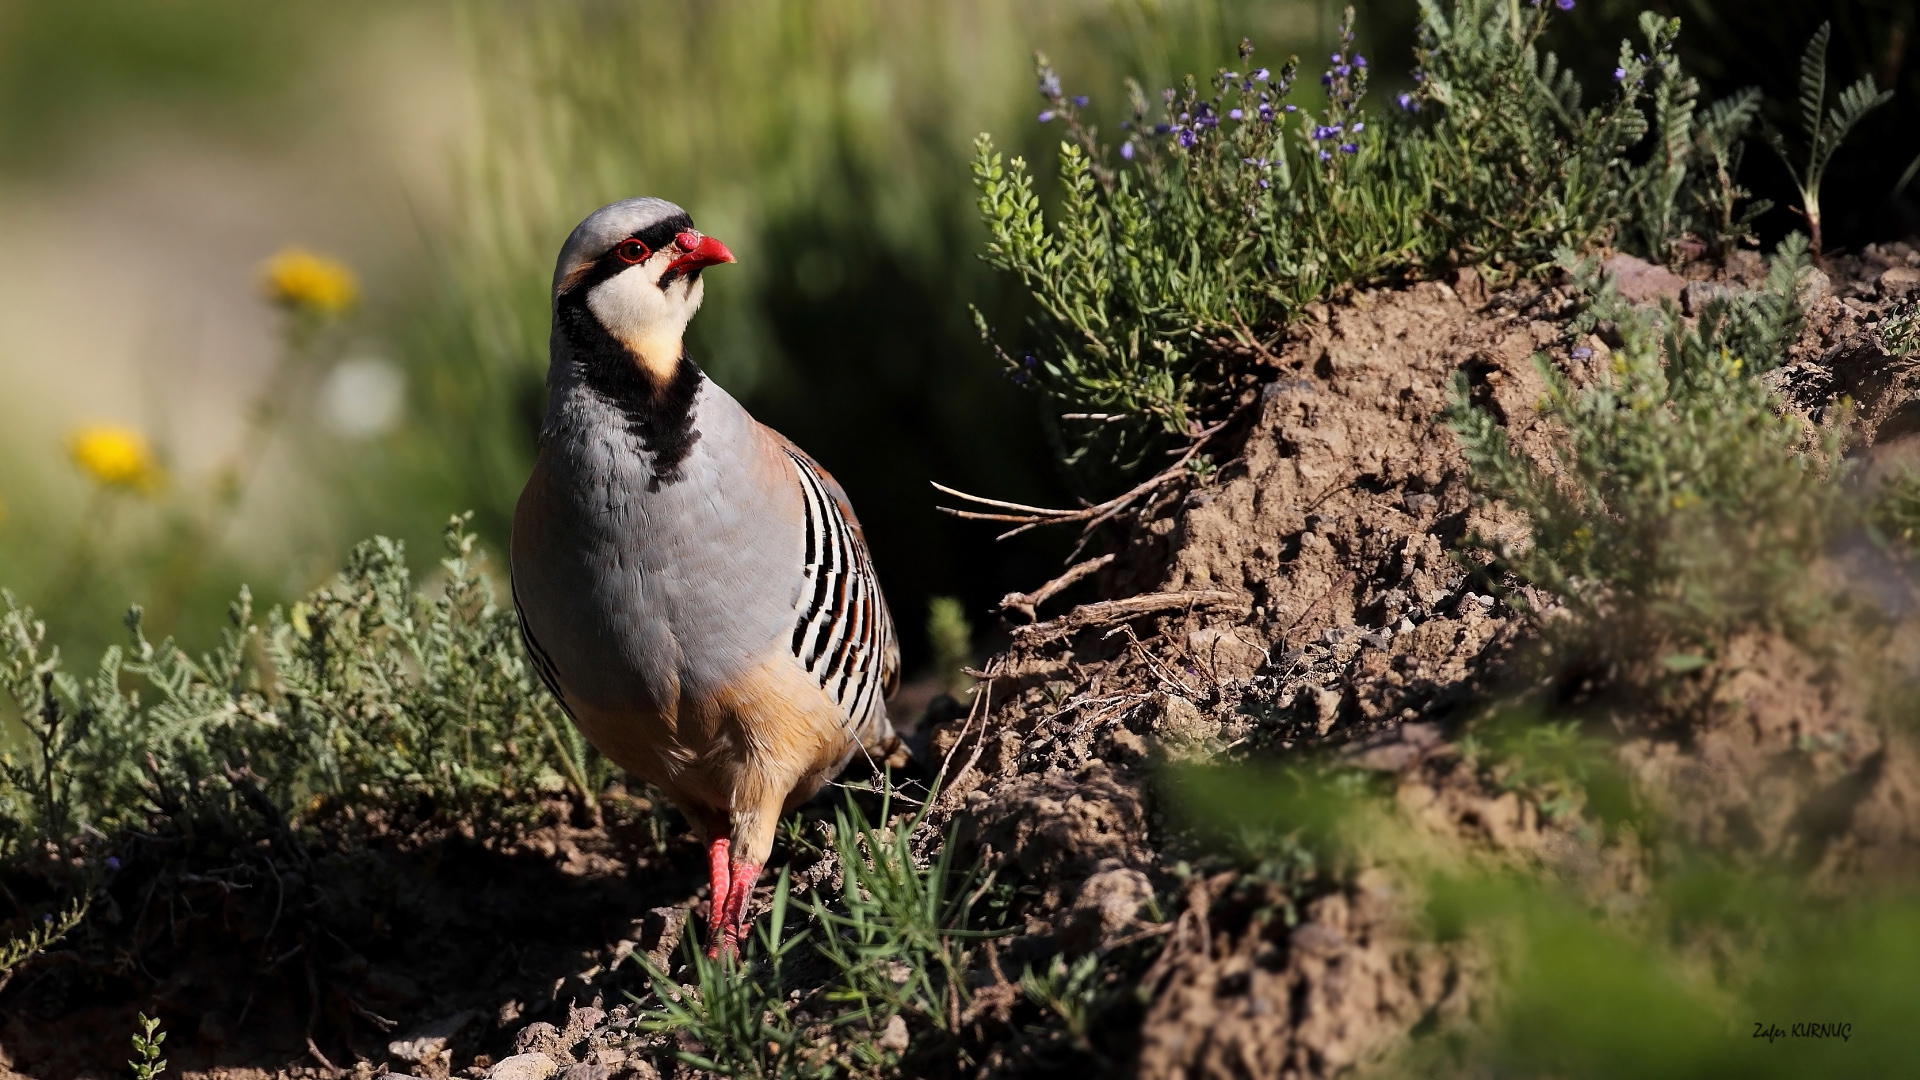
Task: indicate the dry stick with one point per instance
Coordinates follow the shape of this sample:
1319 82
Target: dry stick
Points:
982 704
1031 517
1027 603
1104 612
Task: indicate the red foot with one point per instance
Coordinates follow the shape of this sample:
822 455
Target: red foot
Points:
739 892
720 889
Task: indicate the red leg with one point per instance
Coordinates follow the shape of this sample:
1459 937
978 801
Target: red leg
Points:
720 888
745 875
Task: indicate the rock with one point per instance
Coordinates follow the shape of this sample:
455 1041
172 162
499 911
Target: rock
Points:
1698 294
430 1040
534 1066
893 1036
1641 281
581 1023
1225 652
585 1071
1319 707
1899 281
541 1038
1814 287
1183 730
1109 903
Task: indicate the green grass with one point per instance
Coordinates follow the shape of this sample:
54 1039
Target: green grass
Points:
890 946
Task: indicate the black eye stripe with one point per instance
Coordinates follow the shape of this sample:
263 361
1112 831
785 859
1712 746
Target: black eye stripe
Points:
655 236
661 233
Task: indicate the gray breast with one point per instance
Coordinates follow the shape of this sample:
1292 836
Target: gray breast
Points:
633 586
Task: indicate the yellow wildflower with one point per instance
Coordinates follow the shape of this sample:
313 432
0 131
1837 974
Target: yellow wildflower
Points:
304 281
116 457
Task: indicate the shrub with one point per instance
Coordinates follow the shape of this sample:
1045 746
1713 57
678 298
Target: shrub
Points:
1166 269
371 697
1680 502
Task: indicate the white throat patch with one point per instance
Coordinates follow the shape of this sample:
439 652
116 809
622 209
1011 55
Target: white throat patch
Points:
647 319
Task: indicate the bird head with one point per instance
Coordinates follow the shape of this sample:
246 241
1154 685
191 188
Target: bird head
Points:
634 266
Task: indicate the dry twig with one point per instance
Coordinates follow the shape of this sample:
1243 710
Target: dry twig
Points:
1027 603
1106 612
1027 517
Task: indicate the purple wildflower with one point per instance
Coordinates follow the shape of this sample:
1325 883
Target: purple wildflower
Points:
1324 155
1030 360
1187 138
1619 74
1343 71
1293 108
1162 129
1359 61
1358 127
1046 116
1266 112
1264 184
1406 101
113 862
1049 84
1080 100
1126 150
1349 148
1326 79
1236 114
1563 5
1261 75
1337 59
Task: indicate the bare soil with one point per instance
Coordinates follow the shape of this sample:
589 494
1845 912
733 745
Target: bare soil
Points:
1303 595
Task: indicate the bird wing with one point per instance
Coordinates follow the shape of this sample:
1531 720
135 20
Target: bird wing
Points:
542 663
844 634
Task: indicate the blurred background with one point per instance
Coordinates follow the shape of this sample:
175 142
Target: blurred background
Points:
170 426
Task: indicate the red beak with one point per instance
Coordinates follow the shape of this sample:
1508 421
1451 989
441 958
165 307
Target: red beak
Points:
698 251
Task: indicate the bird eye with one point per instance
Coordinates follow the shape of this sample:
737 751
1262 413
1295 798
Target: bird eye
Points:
631 251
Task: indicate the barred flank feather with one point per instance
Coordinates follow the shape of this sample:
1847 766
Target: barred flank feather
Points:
844 633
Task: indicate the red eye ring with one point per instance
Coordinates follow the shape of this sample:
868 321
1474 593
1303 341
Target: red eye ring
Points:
632 251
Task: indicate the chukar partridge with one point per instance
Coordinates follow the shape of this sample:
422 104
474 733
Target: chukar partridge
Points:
692 587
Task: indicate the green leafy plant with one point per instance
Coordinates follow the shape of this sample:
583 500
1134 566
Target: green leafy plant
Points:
1167 272
951 636
894 939
1900 333
40 936
1825 129
147 1063
1680 503
1687 191
369 694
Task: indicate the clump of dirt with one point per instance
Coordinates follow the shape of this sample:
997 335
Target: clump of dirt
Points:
1299 591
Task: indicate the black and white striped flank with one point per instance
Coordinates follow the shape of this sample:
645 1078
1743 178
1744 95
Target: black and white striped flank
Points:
844 633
